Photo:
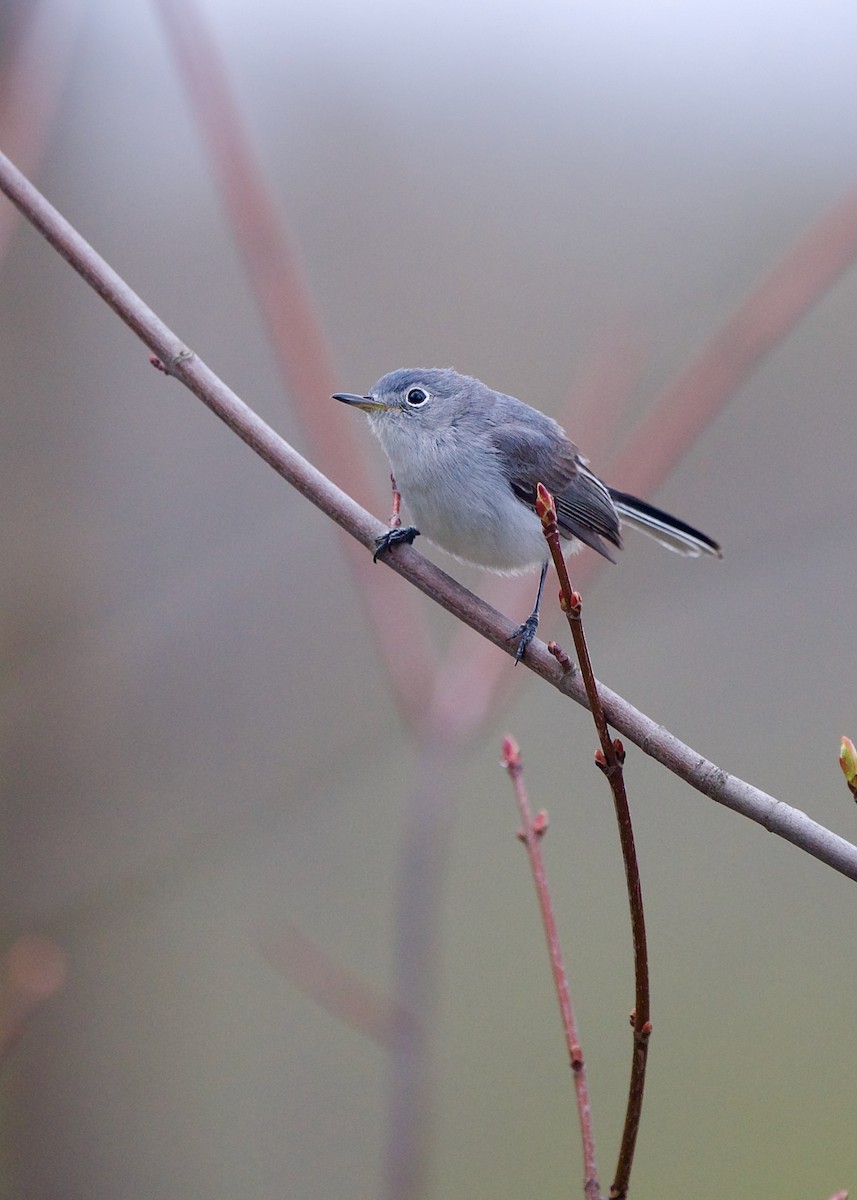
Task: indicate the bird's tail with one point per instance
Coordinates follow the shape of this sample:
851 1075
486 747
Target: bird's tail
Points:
667 530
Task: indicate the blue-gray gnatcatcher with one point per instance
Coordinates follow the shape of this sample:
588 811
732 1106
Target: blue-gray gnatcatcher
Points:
466 461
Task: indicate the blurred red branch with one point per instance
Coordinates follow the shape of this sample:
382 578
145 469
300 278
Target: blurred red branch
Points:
33 69
531 834
331 985
758 325
276 279
31 971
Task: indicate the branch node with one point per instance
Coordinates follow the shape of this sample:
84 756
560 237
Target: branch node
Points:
169 367
560 655
538 826
546 511
511 754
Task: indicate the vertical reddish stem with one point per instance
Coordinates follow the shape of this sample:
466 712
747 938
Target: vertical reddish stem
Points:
610 758
531 834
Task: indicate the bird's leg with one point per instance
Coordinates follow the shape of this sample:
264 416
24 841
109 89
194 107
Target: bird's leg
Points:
397 533
526 632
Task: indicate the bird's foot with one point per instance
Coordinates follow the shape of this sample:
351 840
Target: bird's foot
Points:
394 537
525 634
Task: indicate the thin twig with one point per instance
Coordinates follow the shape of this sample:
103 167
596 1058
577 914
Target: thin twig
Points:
610 759
653 739
531 834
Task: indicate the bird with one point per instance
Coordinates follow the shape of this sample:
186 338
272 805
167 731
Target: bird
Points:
467 460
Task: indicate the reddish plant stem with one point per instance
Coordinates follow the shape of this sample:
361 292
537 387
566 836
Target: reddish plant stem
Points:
531 833
610 759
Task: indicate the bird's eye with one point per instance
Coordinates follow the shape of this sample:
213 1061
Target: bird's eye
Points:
416 397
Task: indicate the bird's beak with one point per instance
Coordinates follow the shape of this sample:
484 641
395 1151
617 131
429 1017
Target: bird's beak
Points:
367 403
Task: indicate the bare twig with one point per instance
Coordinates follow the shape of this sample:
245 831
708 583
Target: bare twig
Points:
712 781
610 759
531 834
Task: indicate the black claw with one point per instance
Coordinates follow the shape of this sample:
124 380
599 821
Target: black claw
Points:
525 634
394 537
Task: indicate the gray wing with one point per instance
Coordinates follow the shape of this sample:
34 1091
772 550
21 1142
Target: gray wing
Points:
535 450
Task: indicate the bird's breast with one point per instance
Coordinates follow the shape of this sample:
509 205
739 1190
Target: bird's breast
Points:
463 503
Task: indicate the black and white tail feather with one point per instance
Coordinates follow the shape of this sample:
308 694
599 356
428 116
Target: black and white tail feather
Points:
664 528
591 512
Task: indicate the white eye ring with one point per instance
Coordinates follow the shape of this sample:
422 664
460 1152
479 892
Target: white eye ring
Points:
416 397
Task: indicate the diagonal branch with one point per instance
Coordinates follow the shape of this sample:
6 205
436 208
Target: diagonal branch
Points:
707 778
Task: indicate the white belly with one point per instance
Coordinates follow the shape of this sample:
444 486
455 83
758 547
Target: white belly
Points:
469 512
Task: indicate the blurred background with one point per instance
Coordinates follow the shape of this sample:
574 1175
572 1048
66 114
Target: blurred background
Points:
207 775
